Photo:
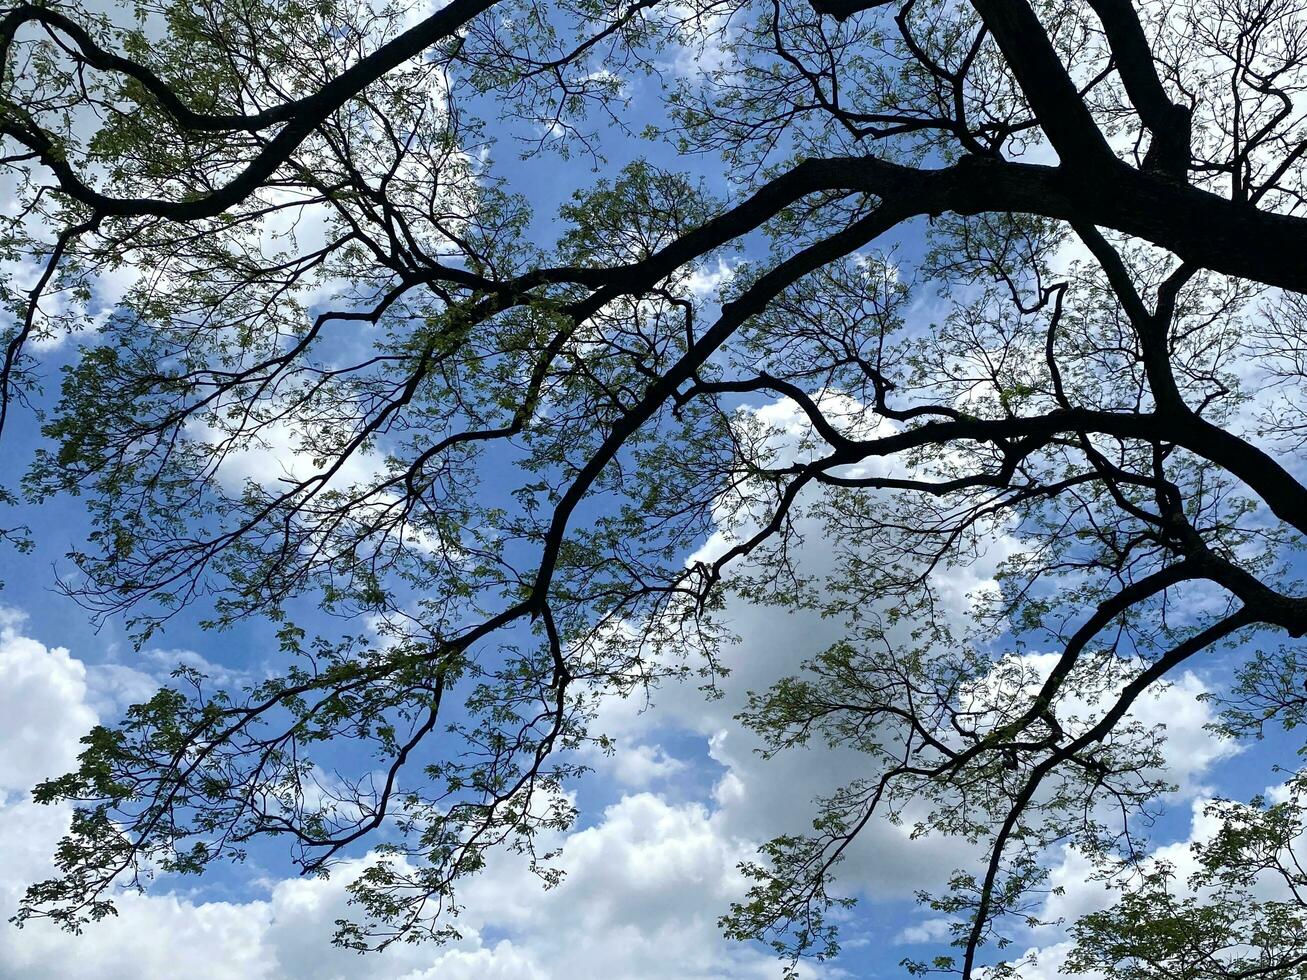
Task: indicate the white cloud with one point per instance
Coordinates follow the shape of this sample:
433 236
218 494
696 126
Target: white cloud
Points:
1078 892
637 765
705 283
42 707
701 39
926 931
1046 963
644 883
280 453
759 798
640 900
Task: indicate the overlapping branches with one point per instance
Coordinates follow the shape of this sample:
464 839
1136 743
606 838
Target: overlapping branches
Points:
326 267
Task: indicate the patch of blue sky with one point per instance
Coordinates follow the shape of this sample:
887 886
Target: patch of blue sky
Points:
685 771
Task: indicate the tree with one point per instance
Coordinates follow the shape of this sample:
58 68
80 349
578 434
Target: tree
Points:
515 444
1222 928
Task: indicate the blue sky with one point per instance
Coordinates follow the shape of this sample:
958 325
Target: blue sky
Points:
664 821
651 863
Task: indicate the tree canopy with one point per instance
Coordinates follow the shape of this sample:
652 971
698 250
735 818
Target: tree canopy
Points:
522 459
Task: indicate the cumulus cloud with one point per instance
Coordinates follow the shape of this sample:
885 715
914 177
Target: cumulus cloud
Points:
280 453
757 798
927 931
705 282
645 880
1077 892
43 707
645 883
636 764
